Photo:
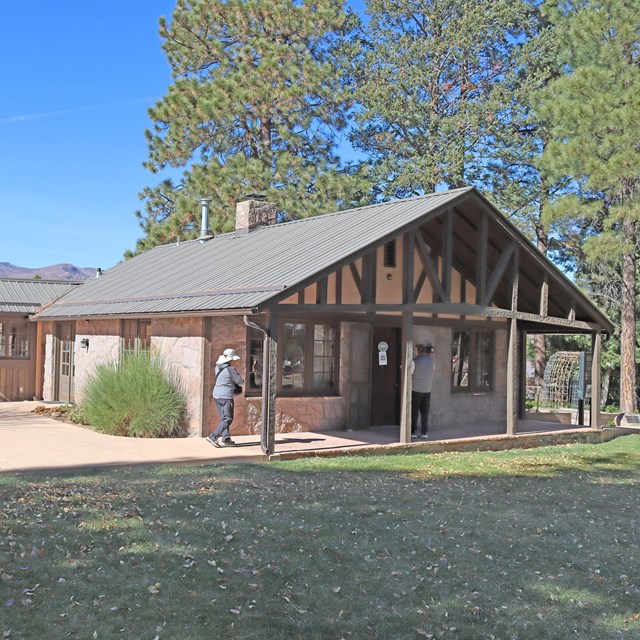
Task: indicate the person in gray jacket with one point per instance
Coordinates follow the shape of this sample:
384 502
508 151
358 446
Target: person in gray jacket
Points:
421 381
228 380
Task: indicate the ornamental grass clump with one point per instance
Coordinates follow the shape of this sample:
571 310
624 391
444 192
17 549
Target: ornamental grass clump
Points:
137 397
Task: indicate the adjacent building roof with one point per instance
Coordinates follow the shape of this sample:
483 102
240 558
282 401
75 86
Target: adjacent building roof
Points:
240 272
27 296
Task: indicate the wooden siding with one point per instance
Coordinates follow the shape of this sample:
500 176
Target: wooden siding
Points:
18 375
17 381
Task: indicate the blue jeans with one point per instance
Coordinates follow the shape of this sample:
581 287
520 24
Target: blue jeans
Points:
225 411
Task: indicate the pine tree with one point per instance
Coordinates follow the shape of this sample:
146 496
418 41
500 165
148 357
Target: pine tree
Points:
257 105
437 81
513 178
593 111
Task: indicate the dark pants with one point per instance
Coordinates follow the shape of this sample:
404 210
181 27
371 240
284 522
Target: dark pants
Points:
420 404
225 411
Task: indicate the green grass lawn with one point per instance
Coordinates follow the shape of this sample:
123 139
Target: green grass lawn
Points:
540 543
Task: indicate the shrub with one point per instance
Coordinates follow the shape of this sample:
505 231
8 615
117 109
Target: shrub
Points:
76 415
137 397
610 408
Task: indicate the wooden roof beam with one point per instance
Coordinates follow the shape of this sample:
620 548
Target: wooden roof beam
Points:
430 269
497 274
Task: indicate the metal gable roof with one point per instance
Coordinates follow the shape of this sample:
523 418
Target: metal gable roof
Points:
238 272
27 296
234 271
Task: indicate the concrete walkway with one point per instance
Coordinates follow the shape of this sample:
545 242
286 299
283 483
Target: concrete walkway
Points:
36 442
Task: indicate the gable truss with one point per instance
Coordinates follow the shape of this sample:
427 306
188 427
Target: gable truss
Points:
473 244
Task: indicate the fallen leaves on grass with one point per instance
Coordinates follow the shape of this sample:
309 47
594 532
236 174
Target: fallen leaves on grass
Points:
405 554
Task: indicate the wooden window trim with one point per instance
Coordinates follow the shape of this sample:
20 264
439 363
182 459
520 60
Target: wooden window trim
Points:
472 388
307 391
6 343
141 344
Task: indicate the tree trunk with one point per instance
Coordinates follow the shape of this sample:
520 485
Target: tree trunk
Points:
540 358
606 379
628 323
540 343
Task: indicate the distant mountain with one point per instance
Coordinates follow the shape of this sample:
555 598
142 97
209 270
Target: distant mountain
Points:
54 272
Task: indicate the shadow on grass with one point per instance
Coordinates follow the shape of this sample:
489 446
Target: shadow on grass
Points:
242 551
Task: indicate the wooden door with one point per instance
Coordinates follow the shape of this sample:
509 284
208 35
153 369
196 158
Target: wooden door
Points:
66 364
385 378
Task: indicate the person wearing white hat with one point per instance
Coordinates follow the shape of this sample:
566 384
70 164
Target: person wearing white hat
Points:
228 383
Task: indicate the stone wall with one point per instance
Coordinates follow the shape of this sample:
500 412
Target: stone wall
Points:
104 347
191 347
48 379
295 415
449 408
292 414
181 344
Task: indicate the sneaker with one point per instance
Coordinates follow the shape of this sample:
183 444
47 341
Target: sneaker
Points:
214 441
414 436
228 443
424 436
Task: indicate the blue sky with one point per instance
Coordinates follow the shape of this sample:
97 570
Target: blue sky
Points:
77 79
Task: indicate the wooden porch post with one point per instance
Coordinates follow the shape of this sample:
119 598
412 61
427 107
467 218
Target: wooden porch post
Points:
407 336
512 378
205 376
269 382
596 353
407 357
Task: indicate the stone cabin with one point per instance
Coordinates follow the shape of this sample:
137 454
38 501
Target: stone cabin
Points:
325 313
21 345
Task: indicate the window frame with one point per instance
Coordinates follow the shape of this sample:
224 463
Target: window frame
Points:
473 361
307 389
14 323
141 339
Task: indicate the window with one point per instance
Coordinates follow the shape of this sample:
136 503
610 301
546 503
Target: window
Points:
472 361
307 358
255 359
390 254
14 339
324 340
293 355
136 336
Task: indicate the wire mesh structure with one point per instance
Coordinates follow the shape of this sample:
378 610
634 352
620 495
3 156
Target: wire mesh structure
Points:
560 379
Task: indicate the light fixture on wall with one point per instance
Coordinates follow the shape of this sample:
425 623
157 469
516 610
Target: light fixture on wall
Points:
84 343
389 276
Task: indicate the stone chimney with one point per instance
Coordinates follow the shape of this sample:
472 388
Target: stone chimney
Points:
254 212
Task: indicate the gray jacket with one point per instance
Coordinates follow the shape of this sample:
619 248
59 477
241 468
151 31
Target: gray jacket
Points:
422 379
226 375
